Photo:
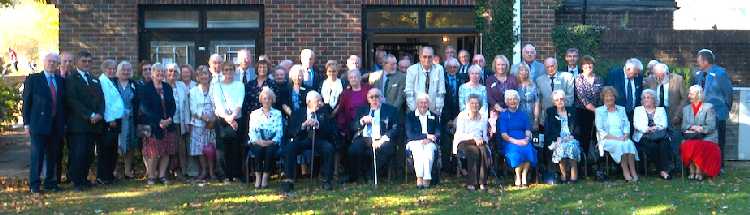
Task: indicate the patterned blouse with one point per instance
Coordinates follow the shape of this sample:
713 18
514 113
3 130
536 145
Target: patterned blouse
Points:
265 127
252 92
588 92
528 96
496 90
466 90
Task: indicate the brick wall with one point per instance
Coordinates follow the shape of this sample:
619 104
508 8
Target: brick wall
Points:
106 30
332 28
620 19
537 22
678 47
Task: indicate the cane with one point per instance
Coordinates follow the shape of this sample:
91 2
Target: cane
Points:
375 163
312 156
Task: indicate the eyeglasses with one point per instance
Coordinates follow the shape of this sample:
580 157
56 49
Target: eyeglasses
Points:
374 96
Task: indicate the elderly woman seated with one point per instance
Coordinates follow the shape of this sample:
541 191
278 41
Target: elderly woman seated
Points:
650 124
470 138
422 133
699 150
515 138
612 128
558 133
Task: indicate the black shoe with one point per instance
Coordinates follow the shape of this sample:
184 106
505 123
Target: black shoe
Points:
327 186
287 187
79 189
35 191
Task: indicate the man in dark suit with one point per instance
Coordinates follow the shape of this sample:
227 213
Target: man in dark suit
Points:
44 121
85 108
375 125
628 83
310 123
313 76
453 81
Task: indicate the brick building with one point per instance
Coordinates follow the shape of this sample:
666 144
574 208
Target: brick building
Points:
188 31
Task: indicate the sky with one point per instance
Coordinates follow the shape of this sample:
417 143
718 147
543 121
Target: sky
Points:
704 14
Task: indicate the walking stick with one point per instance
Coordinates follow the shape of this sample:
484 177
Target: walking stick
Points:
312 156
375 163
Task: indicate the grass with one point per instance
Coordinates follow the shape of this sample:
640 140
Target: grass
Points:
728 194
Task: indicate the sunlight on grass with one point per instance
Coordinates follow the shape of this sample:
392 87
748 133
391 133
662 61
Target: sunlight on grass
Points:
126 194
390 201
260 198
657 209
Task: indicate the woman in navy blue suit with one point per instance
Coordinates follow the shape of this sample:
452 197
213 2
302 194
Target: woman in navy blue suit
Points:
158 107
422 132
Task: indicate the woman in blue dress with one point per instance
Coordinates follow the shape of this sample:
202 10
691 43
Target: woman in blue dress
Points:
515 138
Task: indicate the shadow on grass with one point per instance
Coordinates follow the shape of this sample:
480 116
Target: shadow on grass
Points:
727 194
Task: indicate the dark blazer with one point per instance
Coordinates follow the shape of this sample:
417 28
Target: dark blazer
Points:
151 107
286 96
451 106
414 127
327 129
37 105
387 113
318 78
552 124
82 99
616 79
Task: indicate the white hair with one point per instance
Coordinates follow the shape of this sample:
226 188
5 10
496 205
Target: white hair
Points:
157 67
451 62
509 94
649 92
698 91
425 96
216 57
529 47
661 67
173 66
242 54
652 63
475 68
268 92
312 95
352 59
295 70
306 53
558 94
633 63
122 65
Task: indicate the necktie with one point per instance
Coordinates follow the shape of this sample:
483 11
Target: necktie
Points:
661 95
629 93
552 83
369 126
386 86
244 76
427 82
53 93
310 75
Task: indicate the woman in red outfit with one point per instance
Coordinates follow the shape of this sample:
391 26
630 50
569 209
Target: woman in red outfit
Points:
699 150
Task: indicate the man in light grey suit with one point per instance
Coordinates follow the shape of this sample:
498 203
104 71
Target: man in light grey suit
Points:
551 81
536 68
390 82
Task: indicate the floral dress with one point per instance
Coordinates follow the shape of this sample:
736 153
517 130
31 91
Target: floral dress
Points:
568 148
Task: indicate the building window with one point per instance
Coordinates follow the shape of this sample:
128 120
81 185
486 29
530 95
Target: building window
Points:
393 19
171 19
232 19
449 19
172 52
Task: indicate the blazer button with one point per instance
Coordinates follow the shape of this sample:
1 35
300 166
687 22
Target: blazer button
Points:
42 113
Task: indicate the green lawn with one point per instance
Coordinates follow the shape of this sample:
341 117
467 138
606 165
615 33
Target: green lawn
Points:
729 194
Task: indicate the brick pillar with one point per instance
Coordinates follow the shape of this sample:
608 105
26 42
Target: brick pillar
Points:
106 30
537 22
331 28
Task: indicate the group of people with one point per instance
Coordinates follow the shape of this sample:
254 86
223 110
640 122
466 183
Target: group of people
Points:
231 118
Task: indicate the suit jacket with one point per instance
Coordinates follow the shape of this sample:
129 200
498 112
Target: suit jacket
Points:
706 118
452 106
616 79
387 113
552 125
81 101
286 96
563 81
38 104
152 109
535 70
326 131
717 89
318 78
396 82
677 97
415 82
414 127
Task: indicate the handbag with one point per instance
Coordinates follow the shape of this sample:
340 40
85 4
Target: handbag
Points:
657 135
209 150
143 130
693 135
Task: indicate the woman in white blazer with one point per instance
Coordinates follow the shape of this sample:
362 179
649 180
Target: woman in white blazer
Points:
650 123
